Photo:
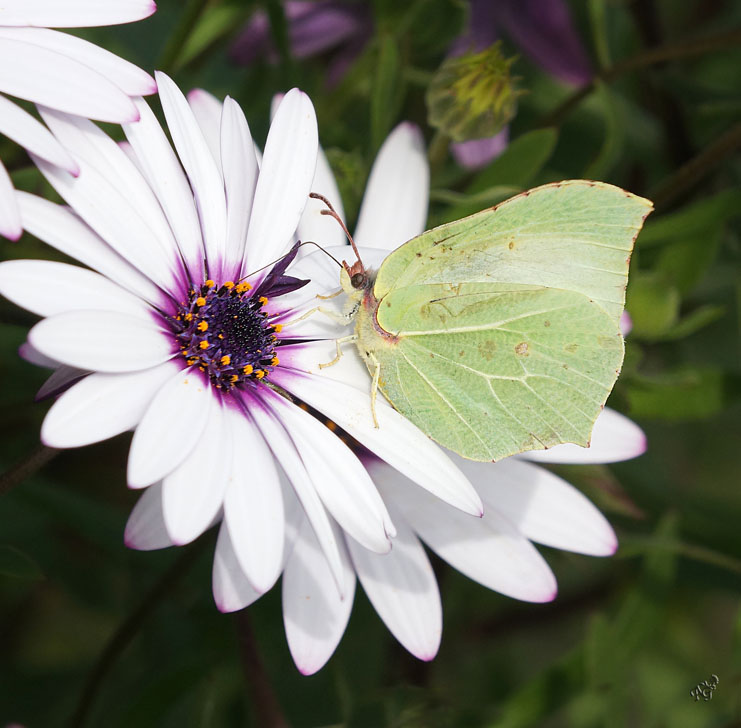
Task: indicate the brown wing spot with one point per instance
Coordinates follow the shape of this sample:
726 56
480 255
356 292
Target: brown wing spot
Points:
418 254
487 349
511 245
522 349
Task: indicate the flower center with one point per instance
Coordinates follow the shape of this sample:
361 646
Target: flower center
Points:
226 333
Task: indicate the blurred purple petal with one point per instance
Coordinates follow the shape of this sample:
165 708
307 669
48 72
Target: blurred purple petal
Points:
482 29
313 28
543 29
477 153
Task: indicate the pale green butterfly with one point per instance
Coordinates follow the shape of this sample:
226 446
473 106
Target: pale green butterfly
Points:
498 333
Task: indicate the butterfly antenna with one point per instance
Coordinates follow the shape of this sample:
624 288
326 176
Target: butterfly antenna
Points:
333 213
267 265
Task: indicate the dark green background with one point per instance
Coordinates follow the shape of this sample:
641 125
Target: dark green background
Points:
628 637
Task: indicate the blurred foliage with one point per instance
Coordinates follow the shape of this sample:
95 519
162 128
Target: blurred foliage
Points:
628 637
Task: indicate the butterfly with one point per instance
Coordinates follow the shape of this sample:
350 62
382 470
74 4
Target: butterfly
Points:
499 333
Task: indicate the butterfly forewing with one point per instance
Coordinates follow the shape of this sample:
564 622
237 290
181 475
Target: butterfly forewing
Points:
575 235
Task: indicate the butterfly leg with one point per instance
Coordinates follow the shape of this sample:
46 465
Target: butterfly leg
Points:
331 295
374 386
339 318
338 344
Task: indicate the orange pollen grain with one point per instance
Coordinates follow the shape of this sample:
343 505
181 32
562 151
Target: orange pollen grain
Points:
248 369
203 326
188 316
277 328
209 283
229 284
262 300
226 359
275 361
200 301
203 344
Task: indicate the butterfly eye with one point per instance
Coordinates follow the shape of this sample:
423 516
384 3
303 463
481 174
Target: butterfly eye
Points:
359 280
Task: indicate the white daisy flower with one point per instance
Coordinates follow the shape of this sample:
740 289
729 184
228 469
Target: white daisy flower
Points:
61 72
524 503
173 338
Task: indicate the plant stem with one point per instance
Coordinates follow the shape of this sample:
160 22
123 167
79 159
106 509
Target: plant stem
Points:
267 707
33 462
129 628
696 168
650 57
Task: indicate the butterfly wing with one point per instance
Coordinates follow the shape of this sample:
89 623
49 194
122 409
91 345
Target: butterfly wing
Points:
575 235
489 370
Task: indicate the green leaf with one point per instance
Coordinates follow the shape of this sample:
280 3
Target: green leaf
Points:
16 564
386 89
598 25
693 322
693 220
686 261
614 134
653 304
513 169
683 394
216 22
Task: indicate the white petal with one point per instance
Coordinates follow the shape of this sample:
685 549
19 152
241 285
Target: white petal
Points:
231 588
199 164
207 110
102 406
286 454
25 130
488 550
334 392
145 529
10 222
285 180
170 428
47 288
162 170
322 229
240 178
74 13
253 505
614 438
59 380
403 590
542 506
46 77
132 80
102 205
394 207
314 615
340 479
103 341
92 148
62 229
193 493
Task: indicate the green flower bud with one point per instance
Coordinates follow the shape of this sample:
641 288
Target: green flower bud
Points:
473 96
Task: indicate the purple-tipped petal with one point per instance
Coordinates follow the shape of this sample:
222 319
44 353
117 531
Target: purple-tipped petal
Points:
477 153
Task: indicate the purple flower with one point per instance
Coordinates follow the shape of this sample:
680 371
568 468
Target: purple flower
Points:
314 28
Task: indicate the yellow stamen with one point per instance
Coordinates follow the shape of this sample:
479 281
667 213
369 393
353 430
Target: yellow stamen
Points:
209 283
277 328
226 359
242 287
203 326
275 361
203 344
229 284
188 316
200 301
233 378
248 369
262 300
260 373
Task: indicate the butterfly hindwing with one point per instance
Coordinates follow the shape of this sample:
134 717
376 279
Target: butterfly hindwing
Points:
490 370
